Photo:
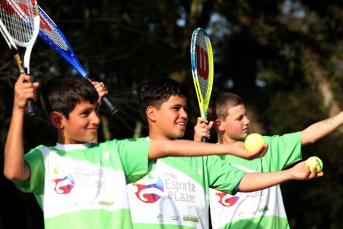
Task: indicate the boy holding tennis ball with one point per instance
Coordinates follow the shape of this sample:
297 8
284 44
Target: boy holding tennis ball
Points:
79 183
265 208
174 194
315 162
253 141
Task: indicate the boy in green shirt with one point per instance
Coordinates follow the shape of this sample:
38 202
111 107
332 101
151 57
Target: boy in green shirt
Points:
175 193
77 183
264 208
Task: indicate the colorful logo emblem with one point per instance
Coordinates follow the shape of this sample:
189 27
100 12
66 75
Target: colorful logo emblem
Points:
191 218
149 190
225 200
64 181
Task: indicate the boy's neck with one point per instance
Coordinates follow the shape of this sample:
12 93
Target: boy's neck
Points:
154 136
223 139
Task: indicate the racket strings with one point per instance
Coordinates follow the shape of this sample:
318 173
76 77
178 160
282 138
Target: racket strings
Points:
47 25
14 16
202 63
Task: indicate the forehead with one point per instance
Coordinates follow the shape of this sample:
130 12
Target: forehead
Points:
85 104
236 110
176 99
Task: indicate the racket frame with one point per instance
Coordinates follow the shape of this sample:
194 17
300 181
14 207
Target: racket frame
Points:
68 54
203 102
24 67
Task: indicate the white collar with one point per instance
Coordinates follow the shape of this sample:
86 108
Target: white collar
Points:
72 146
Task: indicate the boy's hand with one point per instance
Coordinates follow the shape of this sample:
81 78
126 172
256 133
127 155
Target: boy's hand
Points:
302 172
202 129
24 90
240 151
100 88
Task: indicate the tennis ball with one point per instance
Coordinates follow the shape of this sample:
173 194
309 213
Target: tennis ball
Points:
253 142
314 161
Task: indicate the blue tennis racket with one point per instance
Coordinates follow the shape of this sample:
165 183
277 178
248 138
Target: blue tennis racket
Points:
53 36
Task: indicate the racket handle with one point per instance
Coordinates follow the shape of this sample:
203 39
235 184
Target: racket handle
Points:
113 108
31 108
204 139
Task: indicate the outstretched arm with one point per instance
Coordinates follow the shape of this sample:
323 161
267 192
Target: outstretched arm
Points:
15 168
258 181
185 148
320 129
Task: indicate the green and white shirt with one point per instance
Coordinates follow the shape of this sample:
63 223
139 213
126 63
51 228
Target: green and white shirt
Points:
260 209
175 192
84 185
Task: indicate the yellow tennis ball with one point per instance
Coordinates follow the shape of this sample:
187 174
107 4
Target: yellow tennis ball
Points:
253 142
314 161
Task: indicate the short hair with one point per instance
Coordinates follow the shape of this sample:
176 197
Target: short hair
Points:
63 93
156 92
221 103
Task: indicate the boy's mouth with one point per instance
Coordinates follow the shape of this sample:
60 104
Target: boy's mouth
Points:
181 124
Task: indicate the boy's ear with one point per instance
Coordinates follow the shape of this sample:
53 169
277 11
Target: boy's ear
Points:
218 125
150 112
56 119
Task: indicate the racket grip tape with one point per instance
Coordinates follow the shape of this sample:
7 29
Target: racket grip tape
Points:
31 108
113 108
204 139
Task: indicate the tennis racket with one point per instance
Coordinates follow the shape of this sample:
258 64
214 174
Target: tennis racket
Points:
20 27
53 36
202 69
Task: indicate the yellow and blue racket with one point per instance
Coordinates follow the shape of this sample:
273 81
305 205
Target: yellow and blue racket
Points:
202 69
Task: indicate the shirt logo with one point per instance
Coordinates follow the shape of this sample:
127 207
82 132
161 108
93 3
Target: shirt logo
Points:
225 201
149 190
64 181
191 218
106 154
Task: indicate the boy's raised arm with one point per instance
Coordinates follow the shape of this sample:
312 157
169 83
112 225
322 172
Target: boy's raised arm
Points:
186 148
320 129
15 168
258 181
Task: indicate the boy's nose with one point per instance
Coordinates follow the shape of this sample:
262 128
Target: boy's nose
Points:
183 113
95 118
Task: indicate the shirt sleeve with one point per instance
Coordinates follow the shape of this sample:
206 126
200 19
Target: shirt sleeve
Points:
222 175
134 155
284 150
35 184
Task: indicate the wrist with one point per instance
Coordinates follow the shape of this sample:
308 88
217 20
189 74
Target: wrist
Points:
17 109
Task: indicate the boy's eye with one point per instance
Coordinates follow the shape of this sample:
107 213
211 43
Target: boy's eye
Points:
85 113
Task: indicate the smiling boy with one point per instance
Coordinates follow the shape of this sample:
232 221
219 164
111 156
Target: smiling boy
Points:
175 192
79 183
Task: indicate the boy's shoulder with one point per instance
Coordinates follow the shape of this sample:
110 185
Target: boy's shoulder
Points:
296 136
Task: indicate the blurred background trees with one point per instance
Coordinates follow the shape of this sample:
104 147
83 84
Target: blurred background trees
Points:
284 58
